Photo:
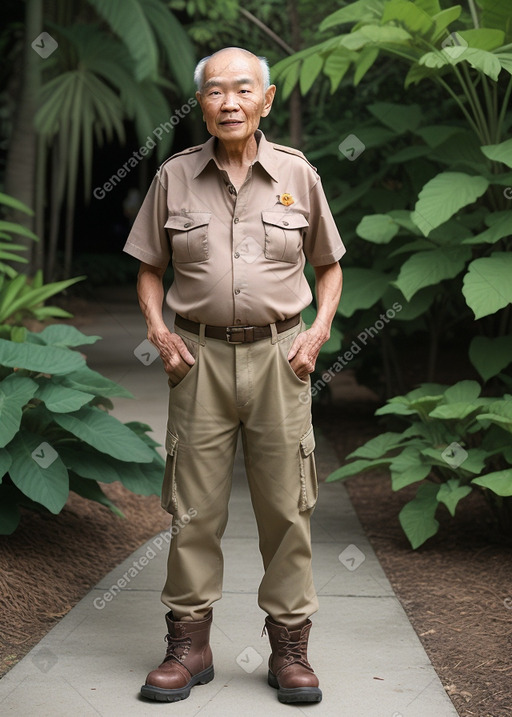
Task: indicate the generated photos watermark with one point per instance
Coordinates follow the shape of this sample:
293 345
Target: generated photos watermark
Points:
44 45
138 566
352 557
343 360
150 143
351 147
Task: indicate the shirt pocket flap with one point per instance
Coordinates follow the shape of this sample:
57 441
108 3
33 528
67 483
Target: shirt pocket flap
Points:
180 222
307 443
285 220
171 442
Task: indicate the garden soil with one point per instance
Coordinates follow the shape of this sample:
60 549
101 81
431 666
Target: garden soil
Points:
456 589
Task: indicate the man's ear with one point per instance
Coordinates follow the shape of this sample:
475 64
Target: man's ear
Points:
269 98
199 99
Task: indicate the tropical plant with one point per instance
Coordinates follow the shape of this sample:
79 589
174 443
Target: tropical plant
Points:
108 69
457 441
432 181
55 431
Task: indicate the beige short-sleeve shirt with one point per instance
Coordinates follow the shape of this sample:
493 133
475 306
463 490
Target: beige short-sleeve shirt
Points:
238 257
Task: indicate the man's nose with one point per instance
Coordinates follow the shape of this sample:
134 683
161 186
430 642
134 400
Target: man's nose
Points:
230 102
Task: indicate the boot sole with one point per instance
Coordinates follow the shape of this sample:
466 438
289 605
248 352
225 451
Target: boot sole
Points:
289 695
161 695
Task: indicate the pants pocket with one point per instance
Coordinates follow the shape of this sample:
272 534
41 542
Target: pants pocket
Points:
308 476
169 498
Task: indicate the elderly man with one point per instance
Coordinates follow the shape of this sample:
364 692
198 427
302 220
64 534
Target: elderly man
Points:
239 216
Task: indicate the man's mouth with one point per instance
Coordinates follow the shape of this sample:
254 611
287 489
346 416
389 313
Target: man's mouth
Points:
231 122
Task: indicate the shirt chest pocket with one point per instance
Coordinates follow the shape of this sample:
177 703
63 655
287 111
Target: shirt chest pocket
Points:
284 233
189 236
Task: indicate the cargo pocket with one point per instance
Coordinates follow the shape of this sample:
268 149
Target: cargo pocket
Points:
169 499
189 236
308 477
283 235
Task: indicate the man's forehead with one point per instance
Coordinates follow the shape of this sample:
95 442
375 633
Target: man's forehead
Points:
227 63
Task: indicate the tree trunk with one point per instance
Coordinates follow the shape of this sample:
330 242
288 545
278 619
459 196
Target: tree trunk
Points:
22 152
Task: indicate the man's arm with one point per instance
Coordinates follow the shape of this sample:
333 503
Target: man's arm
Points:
306 347
176 358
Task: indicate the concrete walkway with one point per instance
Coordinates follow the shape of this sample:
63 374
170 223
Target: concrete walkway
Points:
368 657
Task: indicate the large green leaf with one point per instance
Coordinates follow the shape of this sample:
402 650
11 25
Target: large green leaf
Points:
174 42
62 335
490 355
462 391
336 67
443 196
61 399
451 492
427 268
43 359
483 38
377 228
144 479
85 379
45 484
496 13
417 517
355 467
311 68
499 482
130 23
499 152
15 392
487 285
91 490
380 35
481 60
400 118
499 224
105 433
408 15
378 446
360 10
362 289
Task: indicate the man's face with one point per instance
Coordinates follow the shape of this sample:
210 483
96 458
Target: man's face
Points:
232 97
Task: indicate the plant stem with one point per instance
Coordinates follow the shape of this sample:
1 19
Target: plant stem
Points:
474 13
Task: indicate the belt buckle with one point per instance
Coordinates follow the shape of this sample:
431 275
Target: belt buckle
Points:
233 330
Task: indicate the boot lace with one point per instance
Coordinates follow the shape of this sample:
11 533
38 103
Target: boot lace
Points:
295 652
177 648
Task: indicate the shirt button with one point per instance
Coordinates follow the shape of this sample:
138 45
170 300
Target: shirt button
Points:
187 225
238 321
237 291
236 220
286 224
237 255
231 189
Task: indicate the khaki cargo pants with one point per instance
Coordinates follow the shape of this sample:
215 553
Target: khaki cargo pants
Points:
252 388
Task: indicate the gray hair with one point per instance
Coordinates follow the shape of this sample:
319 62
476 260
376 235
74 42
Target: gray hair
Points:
199 71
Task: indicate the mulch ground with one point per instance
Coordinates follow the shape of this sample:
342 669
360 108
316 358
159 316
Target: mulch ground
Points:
456 589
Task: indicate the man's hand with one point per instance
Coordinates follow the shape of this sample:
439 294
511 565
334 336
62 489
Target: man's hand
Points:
175 356
305 349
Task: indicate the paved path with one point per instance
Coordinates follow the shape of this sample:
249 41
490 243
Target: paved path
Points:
368 657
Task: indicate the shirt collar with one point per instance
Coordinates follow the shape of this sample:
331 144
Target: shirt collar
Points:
265 157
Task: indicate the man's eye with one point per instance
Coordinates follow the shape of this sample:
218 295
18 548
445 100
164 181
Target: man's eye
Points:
245 90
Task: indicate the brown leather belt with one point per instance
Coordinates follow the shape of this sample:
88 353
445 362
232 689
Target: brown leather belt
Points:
236 334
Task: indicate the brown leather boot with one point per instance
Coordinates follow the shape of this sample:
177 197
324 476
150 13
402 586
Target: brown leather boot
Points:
187 662
289 669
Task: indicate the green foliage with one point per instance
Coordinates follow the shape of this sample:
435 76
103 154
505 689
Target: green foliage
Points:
429 194
456 441
55 432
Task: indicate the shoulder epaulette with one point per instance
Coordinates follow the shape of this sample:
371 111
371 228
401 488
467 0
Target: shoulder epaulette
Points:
292 150
189 150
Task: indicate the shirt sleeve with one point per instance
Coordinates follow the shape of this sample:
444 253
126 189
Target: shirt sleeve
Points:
323 244
148 239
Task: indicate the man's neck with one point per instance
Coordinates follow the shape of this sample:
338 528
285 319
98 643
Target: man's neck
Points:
236 154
